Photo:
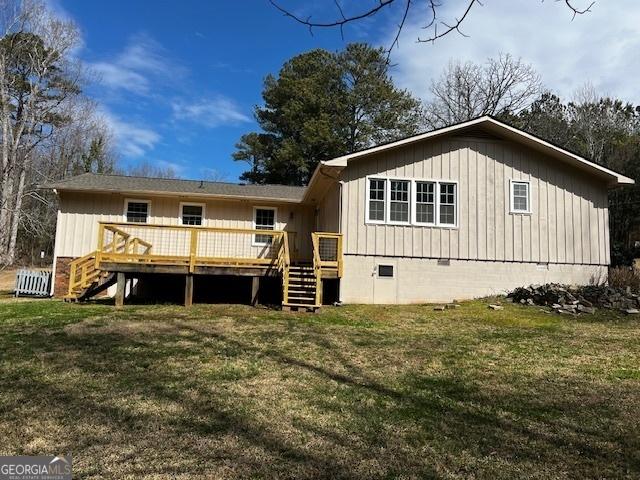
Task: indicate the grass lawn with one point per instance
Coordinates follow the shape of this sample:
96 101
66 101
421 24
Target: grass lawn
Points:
353 392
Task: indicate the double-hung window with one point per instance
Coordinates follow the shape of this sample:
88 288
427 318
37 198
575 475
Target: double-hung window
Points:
191 214
399 201
520 198
447 204
376 200
396 201
264 218
137 211
425 202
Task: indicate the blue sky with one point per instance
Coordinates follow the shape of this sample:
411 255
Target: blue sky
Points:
177 81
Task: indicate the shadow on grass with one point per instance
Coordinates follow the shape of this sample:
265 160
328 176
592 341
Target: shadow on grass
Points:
142 399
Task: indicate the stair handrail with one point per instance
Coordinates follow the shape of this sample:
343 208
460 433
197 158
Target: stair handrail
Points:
284 262
317 265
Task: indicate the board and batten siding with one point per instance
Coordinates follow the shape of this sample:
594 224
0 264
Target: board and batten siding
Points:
568 223
329 210
79 214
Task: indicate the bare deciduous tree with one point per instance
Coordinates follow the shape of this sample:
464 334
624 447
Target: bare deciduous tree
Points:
428 10
35 79
469 90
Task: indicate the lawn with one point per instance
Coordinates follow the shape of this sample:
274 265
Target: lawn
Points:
353 392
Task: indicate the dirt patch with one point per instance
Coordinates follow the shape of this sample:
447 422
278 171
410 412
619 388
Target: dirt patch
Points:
7 280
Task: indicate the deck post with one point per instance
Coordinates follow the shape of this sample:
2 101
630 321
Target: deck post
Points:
188 290
255 290
120 288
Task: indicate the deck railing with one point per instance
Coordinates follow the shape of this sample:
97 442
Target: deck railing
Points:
327 251
192 246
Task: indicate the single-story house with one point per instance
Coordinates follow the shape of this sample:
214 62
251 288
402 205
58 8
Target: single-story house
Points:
465 211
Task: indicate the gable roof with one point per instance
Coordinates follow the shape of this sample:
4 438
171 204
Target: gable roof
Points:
93 182
493 127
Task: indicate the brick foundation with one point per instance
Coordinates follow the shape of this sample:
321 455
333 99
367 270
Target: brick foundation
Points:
61 282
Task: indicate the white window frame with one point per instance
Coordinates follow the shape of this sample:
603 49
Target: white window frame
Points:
412 202
388 201
384 201
136 200
512 208
255 227
455 204
191 204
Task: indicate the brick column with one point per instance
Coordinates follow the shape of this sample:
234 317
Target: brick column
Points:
61 281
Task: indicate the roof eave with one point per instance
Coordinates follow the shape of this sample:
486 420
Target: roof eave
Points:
160 193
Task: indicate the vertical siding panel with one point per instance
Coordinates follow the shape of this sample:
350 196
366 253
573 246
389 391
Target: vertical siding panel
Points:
491 201
527 220
500 211
535 224
568 220
543 211
507 158
481 224
473 204
557 236
463 199
577 222
454 173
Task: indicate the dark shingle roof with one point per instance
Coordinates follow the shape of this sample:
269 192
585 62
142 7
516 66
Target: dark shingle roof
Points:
121 183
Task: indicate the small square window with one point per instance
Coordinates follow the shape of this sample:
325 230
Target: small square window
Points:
385 271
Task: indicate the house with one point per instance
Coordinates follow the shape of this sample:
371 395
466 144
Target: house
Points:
465 211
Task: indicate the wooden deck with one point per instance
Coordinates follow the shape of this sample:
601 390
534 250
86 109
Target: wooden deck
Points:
131 248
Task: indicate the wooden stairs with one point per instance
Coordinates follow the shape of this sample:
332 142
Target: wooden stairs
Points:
302 289
86 280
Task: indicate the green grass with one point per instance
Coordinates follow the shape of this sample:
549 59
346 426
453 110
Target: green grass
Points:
353 392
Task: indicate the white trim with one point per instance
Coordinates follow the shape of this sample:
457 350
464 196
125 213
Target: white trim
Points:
497 125
136 200
455 204
192 204
275 223
388 208
412 202
512 209
368 198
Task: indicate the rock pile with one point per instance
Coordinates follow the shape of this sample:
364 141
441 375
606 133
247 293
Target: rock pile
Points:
575 300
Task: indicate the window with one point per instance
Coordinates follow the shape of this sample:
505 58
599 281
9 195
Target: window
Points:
520 197
425 202
191 214
264 219
137 211
447 214
376 200
399 204
385 271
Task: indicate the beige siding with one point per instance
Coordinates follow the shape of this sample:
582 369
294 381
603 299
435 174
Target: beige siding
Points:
329 210
77 224
568 223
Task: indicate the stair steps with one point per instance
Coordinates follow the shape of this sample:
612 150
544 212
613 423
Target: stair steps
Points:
301 289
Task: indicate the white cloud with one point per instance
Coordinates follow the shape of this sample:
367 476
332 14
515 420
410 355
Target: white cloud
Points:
600 47
211 113
142 62
132 139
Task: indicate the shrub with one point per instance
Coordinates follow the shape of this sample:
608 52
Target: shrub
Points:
624 277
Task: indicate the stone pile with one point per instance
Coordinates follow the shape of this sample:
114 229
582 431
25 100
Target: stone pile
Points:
576 300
